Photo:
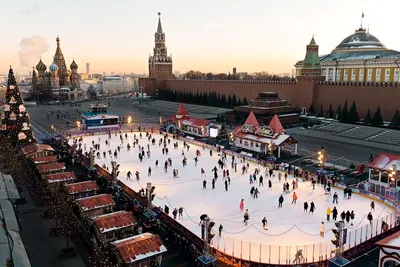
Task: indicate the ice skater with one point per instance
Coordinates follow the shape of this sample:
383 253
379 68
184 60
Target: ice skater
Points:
241 206
280 201
246 217
203 172
312 207
372 206
220 228
294 198
265 223
299 256
305 207
255 193
335 198
137 175
334 213
204 184
322 230
149 172
226 185
261 181
370 218
180 213
328 214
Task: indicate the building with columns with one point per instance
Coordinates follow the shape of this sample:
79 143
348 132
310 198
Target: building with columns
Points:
58 82
360 57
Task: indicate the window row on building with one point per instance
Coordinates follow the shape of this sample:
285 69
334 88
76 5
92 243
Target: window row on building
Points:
362 74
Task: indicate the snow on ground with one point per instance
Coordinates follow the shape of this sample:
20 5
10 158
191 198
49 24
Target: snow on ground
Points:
288 226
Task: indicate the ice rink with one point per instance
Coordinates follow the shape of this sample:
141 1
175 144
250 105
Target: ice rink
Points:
287 226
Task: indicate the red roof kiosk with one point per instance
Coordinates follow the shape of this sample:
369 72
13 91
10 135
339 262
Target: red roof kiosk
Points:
262 139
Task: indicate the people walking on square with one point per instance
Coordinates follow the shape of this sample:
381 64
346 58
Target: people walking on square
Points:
246 217
335 198
294 198
280 201
265 223
241 206
305 207
312 207
328 214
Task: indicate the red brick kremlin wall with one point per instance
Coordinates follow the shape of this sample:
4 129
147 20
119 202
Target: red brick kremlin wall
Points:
300 93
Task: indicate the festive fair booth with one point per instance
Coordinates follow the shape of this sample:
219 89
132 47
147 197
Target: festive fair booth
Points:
50 168
56 179
44 160
37 150
262 139
96 205
141 250
114 226
389 251
384 173
181 121
81 189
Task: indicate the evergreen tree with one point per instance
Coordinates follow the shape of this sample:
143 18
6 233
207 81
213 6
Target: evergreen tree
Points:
353 115
229 103
345 113
16 118
223 133
367 120
395 122
311 110
330 112
321 111
223 101
377 120
234 101
239 103
245 102
339 113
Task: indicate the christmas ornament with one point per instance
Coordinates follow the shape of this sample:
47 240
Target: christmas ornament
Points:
12 87
6 107
12 100
13 116
25 126
21 136
22 108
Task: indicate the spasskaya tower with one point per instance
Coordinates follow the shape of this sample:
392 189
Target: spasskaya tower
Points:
160 64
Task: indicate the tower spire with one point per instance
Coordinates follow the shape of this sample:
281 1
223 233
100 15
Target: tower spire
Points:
58 50
159 27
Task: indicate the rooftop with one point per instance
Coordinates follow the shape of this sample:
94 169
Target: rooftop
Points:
60 177
114 221
96 202
8 188
47 159
32 148
139 247
81 187
48 167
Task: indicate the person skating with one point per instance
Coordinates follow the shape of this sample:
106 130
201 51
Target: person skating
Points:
305 207
195 161
204 184
166 209
241 205
220 228
352 215
252 190
137 175
128 175
299 256
313 184
229 180
213 183
210 152
328 214
349 193
180 212
334 213
265 223
255 194
312 207
226 185
269 184
294 198
174 213
335 198
149 172
271 172
251 178
322 230
261 181
372 206
343 215
279 176
156 163
348 217
280 201
370 218
246 217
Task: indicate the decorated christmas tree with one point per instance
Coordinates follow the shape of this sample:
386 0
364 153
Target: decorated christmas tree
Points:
16 118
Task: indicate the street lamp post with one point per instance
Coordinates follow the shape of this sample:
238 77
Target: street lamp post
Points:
129 122
321 157
393 175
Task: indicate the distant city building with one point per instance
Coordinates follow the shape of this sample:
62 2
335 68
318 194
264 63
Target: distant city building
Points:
84 76
104 74
87 68
234 71
58 79
118 84
3 79
360 57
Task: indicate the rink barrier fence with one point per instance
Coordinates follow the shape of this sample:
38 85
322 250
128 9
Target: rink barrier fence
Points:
235 251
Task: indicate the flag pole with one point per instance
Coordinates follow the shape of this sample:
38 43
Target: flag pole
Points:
362 16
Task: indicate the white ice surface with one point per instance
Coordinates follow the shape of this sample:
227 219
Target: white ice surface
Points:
223 207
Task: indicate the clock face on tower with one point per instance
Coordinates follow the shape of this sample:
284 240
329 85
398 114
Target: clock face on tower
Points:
163 51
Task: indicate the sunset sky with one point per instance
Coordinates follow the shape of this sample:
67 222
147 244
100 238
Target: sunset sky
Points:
207 35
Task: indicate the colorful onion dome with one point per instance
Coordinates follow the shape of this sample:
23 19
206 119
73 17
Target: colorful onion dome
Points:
41 66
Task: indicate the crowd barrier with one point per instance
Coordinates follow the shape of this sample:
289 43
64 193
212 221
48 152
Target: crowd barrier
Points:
251 252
